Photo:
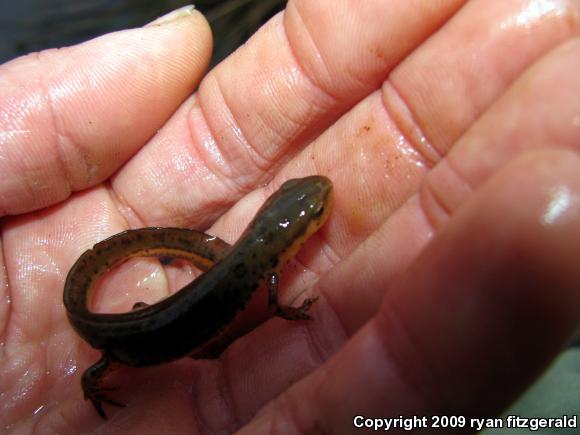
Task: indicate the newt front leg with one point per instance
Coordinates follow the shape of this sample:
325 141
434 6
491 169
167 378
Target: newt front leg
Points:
285 311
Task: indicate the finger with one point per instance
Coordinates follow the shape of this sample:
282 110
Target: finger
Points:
467 65
536 112
72 117
263 105
392 139
258 108
475 319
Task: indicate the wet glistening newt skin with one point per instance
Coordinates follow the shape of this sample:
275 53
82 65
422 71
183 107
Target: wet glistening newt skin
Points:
184 322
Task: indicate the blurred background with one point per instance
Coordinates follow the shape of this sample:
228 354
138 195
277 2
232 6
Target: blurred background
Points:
32 25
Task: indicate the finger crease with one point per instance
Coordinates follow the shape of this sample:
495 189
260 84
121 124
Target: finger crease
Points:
8 301
260 162
432 201
317 55
215 168
406 123
123 207
58 135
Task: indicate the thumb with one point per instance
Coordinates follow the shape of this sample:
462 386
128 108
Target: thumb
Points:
71 117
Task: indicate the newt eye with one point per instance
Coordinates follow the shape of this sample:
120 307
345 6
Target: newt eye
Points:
319 212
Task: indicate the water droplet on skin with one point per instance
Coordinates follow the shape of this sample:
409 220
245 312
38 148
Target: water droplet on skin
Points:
562 199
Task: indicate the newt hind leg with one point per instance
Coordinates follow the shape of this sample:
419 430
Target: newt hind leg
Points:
139 305
92 383
285 311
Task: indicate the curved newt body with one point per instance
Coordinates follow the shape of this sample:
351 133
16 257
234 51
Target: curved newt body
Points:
174 327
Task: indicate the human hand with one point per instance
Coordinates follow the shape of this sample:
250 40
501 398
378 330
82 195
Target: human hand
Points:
446 275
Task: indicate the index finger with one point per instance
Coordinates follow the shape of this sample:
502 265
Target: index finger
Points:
71 117
265 103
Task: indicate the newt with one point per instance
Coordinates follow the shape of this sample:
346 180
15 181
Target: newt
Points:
181 324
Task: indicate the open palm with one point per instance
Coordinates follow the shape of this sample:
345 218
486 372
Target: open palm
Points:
447 274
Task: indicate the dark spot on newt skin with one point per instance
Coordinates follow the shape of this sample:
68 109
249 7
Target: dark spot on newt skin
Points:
240 270
274 261
166 260
269 237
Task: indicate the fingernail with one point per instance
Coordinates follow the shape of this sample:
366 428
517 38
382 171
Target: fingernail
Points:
183 11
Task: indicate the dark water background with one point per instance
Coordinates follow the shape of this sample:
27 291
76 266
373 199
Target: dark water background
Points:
32 25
